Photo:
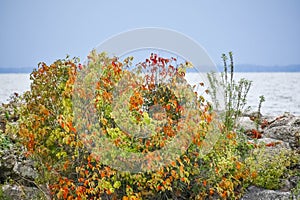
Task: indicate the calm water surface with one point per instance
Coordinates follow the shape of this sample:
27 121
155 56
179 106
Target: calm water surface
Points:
281 90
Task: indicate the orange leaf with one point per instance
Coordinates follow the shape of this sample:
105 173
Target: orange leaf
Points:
224 194
108 192
168 107
159 187
253 174
238 165
173 163
181 168
65 192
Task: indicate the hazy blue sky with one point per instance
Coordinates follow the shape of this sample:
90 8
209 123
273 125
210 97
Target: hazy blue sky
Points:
264 32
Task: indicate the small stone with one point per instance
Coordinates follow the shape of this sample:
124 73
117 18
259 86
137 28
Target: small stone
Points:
246 124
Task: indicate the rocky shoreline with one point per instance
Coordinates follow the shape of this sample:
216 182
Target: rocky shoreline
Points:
17 173
277 134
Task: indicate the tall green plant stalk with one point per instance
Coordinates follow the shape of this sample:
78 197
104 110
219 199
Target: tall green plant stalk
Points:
258 117
235 93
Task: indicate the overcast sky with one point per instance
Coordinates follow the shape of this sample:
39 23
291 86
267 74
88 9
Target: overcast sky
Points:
263 32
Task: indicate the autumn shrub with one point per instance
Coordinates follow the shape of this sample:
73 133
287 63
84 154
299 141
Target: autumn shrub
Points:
57 135
271 168
267 168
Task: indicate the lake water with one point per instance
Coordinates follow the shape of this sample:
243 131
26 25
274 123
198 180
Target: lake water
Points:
11 83
281 90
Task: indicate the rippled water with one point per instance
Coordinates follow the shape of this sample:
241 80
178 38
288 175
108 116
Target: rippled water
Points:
11 83
281 90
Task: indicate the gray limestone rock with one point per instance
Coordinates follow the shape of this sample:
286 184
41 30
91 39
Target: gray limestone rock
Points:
22 192
286 129
246 123
256 193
